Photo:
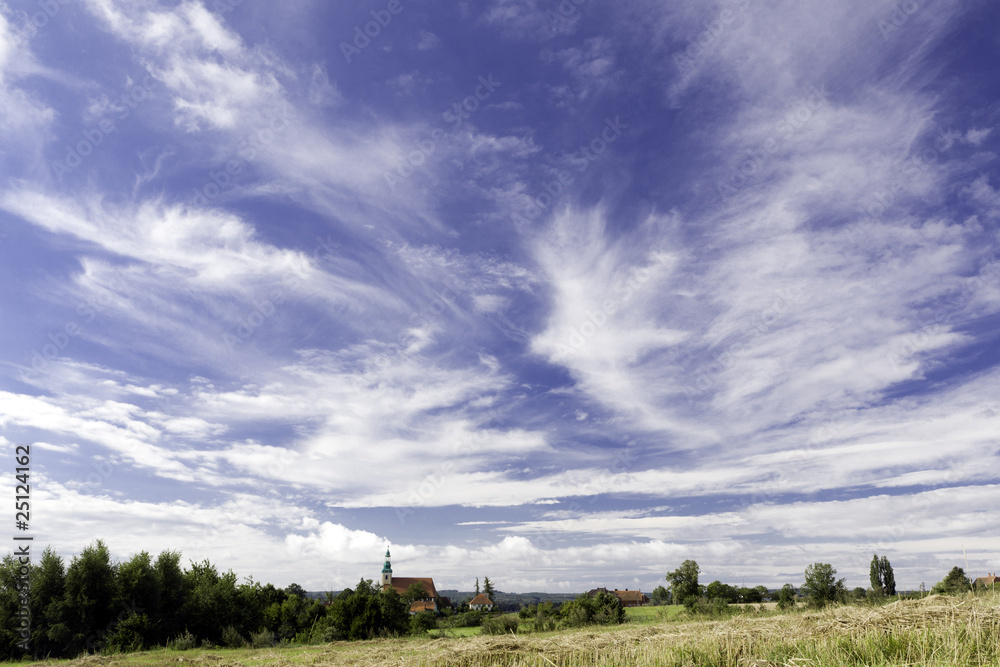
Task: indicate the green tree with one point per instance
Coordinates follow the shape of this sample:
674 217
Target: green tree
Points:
173 594
786 597
91 593
477 585
751 595
684 582
50 633
955 582
720 591
881 576
888 577
875 574
488 588
422 622
821 586
660 596
602 609
14 638
139 592
415 591
212 602
296 590
366 612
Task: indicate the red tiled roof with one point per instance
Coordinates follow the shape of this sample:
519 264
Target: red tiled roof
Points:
481 599
631 596
991 580
400 584
419 605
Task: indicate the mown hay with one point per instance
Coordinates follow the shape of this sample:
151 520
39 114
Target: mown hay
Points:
938 630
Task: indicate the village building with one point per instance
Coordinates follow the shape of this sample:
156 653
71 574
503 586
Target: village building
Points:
481 603
402 584
628 598
989 581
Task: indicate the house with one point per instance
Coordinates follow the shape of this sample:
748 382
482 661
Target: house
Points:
989 581
481 603
401 584
418 606
631 598
628 598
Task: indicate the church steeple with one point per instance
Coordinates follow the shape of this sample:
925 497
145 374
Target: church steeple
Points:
386 571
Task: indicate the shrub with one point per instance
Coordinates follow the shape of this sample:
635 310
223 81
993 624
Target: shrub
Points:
232 638
601 609
262 639
129 635
469 619
500 625
422 622
184 642
786 597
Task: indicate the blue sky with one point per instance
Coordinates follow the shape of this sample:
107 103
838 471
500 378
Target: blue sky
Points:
562 294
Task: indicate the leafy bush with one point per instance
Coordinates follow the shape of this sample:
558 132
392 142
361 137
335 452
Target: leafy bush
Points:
129 635
469 619
184 642
422 622
232 638
717 608
500 625
601 609
262 639
786 597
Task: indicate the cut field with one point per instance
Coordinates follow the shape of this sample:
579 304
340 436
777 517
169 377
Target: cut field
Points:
957 632
653 614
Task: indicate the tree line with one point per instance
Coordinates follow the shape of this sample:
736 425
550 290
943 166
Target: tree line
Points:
96 605
820 588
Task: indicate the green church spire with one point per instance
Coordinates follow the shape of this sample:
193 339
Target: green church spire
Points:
387 568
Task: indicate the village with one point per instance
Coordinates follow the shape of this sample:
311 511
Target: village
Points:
423 594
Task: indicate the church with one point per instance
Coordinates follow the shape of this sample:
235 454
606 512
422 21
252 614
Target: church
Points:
400 584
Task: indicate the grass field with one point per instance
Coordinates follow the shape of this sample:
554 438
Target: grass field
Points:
937 631
653 614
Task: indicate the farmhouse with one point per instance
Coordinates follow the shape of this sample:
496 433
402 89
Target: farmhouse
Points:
401 584
989 581
632 598
481 603
628 598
